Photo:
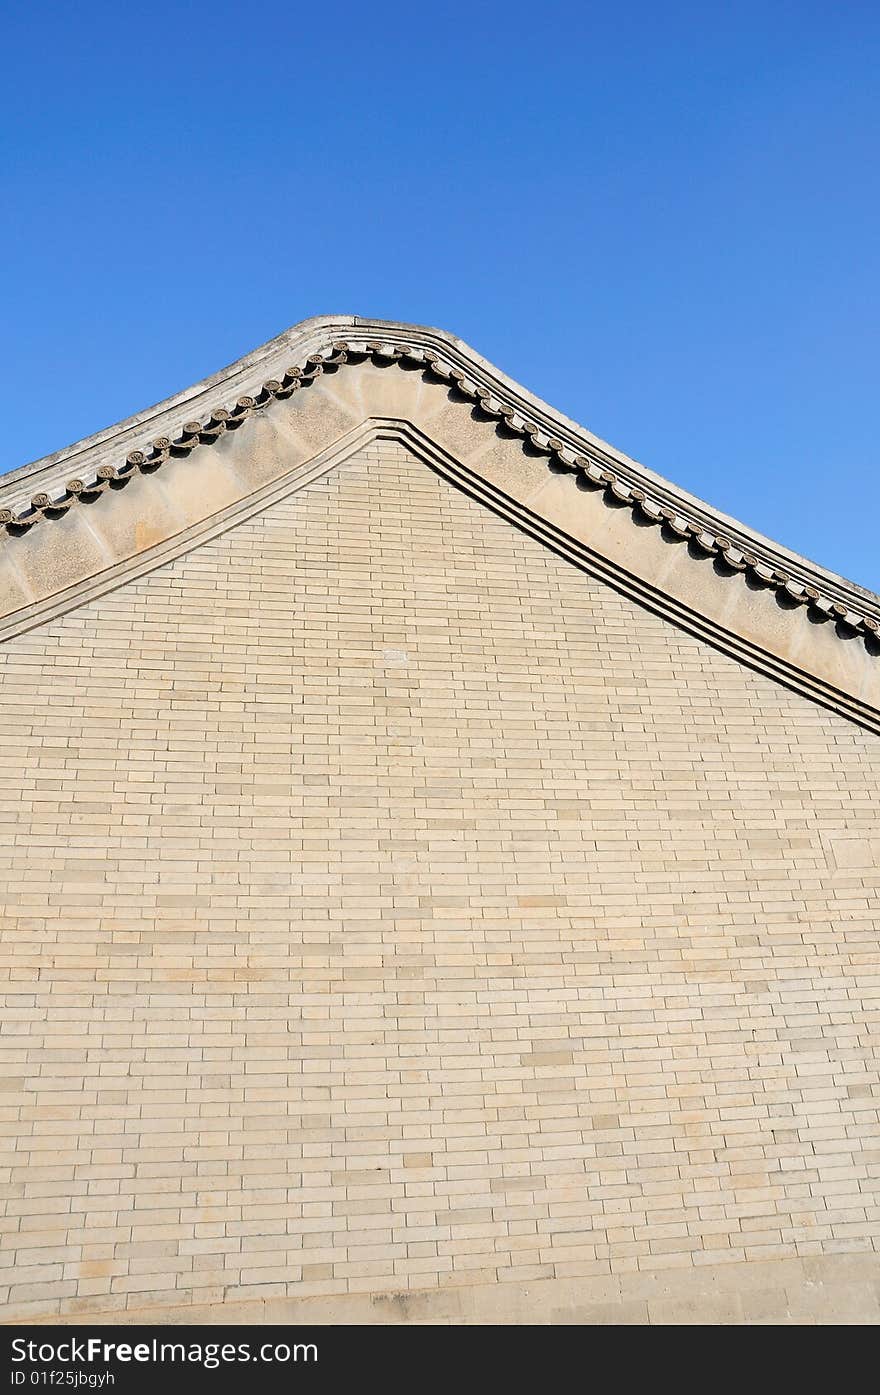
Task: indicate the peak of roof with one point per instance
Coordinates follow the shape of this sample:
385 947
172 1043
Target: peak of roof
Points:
52 489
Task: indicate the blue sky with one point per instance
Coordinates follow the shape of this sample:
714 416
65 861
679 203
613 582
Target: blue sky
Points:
661 218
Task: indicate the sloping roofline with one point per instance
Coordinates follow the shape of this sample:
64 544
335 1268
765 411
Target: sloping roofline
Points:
48 489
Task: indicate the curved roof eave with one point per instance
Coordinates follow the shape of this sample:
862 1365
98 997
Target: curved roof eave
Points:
49 488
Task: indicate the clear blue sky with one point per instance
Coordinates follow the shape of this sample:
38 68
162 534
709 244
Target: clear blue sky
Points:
662 218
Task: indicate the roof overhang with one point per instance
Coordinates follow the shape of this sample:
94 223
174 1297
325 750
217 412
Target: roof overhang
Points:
126 500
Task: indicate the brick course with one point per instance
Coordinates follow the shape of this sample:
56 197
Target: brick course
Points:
391 906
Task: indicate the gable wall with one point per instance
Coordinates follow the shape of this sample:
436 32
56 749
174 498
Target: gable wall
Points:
390 905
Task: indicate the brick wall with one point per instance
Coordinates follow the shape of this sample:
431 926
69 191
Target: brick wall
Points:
390 906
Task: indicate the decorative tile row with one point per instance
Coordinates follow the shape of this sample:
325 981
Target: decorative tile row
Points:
54 504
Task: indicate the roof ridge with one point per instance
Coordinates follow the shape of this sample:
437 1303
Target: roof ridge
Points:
598 466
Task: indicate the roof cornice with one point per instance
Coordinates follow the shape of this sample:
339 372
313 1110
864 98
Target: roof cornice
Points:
192 421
